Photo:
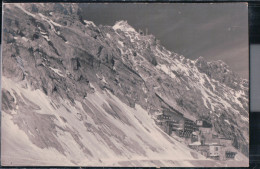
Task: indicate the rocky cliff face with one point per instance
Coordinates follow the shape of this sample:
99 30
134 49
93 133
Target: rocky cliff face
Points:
87 93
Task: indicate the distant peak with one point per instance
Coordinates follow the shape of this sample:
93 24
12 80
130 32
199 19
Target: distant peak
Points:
123 26
89 23
220 63
200 60
121 23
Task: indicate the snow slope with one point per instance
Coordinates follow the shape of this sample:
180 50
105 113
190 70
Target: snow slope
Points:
129 135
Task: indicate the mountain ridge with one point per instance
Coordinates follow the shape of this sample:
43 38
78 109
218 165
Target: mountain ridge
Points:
76 62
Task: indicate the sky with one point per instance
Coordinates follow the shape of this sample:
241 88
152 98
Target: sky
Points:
255 78
216 31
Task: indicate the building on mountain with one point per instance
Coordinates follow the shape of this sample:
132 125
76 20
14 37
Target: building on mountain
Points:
199 122
215 151
181 125
210 150
175 114
203 149
198 135
209 143
177 127
195 145
169 115
184 127
166 126
164 117
214 136
203 123
225 141
204 126
170 120
230 155
194 136
189 125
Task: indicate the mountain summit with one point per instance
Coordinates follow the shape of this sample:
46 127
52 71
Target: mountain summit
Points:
74 93
124 26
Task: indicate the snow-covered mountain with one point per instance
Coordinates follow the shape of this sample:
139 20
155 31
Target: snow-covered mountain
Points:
74 93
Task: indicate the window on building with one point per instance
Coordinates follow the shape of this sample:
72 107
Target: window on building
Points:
216 148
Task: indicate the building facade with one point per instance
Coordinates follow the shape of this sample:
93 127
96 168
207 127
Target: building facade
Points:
215 151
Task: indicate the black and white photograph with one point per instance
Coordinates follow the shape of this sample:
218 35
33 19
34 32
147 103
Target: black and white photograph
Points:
125 84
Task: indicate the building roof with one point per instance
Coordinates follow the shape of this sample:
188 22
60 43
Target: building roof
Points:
211 142
197 143
214 144
194 133
179 128
158 113
223 137
232 152
205 123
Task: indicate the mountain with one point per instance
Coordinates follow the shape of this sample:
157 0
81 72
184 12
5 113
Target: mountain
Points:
74 93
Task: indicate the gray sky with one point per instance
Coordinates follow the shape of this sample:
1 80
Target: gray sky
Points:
214 31
255 78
